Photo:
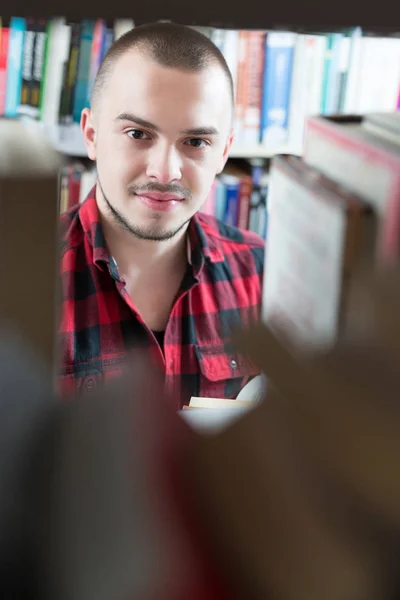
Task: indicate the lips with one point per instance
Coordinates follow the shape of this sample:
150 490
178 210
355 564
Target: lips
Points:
159 201
161 196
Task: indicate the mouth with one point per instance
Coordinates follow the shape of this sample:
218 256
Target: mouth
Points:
160 201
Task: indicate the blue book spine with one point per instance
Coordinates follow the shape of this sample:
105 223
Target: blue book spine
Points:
82 82
220 200
277 80
232 201
108 39
14 66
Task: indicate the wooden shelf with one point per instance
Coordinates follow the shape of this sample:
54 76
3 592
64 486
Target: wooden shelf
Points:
292 14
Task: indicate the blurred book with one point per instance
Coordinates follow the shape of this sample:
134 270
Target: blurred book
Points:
29 190
384 125
344 149
318 235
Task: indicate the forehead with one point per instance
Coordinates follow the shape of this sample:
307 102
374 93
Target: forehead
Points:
140 85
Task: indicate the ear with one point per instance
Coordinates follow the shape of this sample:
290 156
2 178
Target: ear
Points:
89 132
225 155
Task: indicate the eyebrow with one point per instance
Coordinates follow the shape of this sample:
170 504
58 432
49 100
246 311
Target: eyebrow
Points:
143 123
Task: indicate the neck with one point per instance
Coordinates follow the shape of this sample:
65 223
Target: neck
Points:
134 255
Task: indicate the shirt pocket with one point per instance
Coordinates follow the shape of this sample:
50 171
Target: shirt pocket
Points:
222 371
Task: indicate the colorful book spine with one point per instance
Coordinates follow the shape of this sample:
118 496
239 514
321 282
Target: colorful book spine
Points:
39 49
108 39
14 66
27 67
332 97
95 58
220 200
253 88
208 207
279 52
70 75
232 185
82 81
4 42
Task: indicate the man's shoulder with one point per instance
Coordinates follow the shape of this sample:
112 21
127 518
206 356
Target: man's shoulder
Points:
227 234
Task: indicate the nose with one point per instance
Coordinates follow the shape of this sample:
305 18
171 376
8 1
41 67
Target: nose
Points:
164 163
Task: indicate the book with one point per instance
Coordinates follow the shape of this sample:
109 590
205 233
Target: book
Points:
385 125
29 191
368 165
319 235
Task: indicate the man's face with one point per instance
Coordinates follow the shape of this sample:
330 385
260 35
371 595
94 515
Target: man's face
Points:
159 136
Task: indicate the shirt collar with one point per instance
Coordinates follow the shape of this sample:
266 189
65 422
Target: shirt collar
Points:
201 244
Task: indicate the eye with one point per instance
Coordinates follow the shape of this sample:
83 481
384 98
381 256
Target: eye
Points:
137 134
197 143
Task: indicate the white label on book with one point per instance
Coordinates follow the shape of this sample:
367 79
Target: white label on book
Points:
303 266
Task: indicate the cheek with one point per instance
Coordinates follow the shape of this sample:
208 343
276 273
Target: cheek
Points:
117 163
200 177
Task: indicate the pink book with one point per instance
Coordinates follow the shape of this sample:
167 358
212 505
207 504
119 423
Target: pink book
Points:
4 37
209 205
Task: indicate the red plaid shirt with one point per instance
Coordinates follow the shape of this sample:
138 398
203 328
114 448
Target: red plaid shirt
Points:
221 291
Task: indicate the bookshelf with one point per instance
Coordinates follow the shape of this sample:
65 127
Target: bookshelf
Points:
68 140
310 15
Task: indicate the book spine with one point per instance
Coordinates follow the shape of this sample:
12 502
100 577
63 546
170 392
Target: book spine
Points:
353 73
95 57
331 105
14 66
220 200
325 80
231 54
241 85
38 67
122 26
245 189
59 38
45 67
4 45
82 82
232 200
108 39
253 88
255 197
208 207
70 75
277 78
27 67
344 68
218 38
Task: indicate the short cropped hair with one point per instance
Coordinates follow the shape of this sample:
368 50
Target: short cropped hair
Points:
168 44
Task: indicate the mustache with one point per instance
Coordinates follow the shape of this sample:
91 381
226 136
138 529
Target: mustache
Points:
171 188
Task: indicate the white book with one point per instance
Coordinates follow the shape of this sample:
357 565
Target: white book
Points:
380 75
353 74
122 26
88 180
57 56
305 97
231 53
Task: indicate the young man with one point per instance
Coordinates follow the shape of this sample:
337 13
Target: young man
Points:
141 267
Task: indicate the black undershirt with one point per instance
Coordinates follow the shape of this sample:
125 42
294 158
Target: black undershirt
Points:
159 335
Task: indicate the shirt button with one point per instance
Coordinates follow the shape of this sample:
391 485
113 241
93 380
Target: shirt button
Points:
233 364
89 385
